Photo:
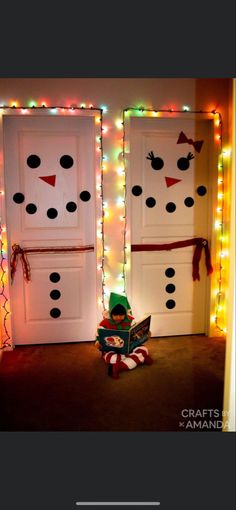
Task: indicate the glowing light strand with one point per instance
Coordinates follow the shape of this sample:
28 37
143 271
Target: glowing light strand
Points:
103 212
184 111
220 208
51 107
6 342
125 206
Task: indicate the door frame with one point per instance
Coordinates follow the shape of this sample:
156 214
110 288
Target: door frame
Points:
215 149
45 111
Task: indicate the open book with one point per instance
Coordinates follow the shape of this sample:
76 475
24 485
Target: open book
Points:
123 341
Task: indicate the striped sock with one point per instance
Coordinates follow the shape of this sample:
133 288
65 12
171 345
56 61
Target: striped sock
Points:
144 351
119 363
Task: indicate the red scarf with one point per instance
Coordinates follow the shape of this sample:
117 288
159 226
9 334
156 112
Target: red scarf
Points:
199 242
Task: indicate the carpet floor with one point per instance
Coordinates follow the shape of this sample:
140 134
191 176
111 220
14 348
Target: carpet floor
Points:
65 387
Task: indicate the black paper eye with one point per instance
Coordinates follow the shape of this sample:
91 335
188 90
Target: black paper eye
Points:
33 161
66 161
183 163
156 162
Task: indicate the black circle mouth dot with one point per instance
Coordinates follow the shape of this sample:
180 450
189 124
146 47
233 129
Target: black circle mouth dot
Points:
150 202
31 208
189 202
201 190
137 190
18 198
71 206
52 213
170 207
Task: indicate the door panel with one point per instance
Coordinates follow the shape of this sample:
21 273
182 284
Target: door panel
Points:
169 188
50 195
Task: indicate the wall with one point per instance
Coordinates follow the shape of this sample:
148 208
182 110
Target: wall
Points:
117 94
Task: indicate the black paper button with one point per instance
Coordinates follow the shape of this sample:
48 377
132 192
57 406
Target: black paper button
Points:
170 304
55 313
170 272
55 294
54 277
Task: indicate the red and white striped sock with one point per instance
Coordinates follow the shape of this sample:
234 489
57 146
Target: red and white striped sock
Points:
119 363
144 351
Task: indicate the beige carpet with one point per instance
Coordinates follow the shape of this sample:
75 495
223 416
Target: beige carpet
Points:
66 387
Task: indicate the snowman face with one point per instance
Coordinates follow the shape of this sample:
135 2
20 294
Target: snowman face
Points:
183 164
51 175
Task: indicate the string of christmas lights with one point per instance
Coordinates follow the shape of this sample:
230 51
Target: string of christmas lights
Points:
53 109
44 106
219 224
102 218
220 206
6 340
125 206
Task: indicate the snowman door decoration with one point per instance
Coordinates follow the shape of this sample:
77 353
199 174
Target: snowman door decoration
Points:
166 204
50 204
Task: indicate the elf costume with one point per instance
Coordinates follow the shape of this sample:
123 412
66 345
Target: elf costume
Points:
119 362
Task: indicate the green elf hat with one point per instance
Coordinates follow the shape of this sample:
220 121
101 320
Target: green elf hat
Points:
118 299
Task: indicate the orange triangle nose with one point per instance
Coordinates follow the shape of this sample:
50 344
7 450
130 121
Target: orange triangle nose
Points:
50 179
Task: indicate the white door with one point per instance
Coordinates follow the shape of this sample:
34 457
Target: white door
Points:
50 198
168 187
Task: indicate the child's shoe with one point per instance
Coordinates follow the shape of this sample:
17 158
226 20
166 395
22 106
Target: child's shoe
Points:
148 360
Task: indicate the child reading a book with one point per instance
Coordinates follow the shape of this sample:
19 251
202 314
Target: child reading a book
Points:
120 318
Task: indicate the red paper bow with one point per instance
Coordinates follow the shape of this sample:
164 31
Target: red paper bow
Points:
183 139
